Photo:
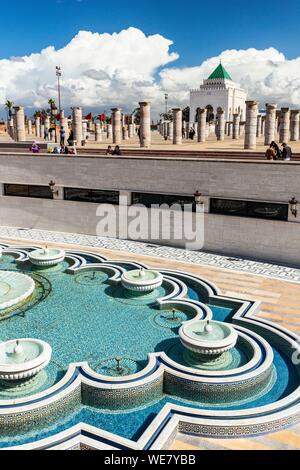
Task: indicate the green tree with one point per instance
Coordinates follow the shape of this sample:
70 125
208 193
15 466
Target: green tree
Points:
167 116
9 106
186 114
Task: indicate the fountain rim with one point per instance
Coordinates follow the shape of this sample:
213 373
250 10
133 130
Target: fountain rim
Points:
141 281
25 294
229 341
56 254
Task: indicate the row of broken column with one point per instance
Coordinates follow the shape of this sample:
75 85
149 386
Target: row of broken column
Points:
282 124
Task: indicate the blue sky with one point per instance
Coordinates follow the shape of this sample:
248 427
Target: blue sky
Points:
199 29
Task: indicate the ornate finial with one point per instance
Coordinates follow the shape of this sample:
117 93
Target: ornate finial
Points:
208 327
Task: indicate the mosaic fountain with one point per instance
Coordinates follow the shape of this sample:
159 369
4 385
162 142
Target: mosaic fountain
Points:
174 348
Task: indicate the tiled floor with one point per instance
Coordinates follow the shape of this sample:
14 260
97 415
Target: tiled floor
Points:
278 289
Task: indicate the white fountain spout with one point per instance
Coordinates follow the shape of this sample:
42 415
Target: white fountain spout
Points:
18 350
208 327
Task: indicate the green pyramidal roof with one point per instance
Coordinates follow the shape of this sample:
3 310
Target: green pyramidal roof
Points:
220 73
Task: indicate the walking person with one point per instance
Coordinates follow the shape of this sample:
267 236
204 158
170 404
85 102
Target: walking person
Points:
192 133
71 138
62 136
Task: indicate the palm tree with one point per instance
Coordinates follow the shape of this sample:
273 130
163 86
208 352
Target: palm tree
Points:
9 106
52 104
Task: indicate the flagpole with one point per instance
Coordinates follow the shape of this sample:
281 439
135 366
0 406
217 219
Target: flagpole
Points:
58 74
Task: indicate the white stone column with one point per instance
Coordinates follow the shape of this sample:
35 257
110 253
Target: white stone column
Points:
263 125
84 131
130 131
270 123
125 133
183 130
77 125
47 124
145 134
201 118
116 126
109 131
42 131
170 130
220 128
295 122
20 135
258 128
52 135
177 126
229 129
236 126
65 124
98 133
251 125
165 129
29 124
11 128
284 132
38 127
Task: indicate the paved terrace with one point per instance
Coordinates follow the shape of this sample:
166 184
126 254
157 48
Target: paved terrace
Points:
228 148
277 287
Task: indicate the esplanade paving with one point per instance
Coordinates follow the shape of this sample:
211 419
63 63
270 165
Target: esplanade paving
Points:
279 296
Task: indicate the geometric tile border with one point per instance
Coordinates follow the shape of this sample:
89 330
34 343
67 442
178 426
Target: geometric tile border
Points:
237 264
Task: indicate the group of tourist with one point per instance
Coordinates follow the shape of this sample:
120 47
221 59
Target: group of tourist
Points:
58 150
275 153
116 151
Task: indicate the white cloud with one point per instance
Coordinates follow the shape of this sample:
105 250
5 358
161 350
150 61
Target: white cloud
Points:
120 69
99 70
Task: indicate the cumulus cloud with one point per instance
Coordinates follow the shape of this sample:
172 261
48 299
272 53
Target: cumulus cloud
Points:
121 69
99 70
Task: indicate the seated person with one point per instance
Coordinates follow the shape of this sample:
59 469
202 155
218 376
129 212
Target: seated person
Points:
117 151
109 150
35 148
286 152
270 153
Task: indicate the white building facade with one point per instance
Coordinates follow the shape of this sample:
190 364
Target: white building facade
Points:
219 90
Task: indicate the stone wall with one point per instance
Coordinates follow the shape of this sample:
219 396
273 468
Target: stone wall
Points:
263 181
